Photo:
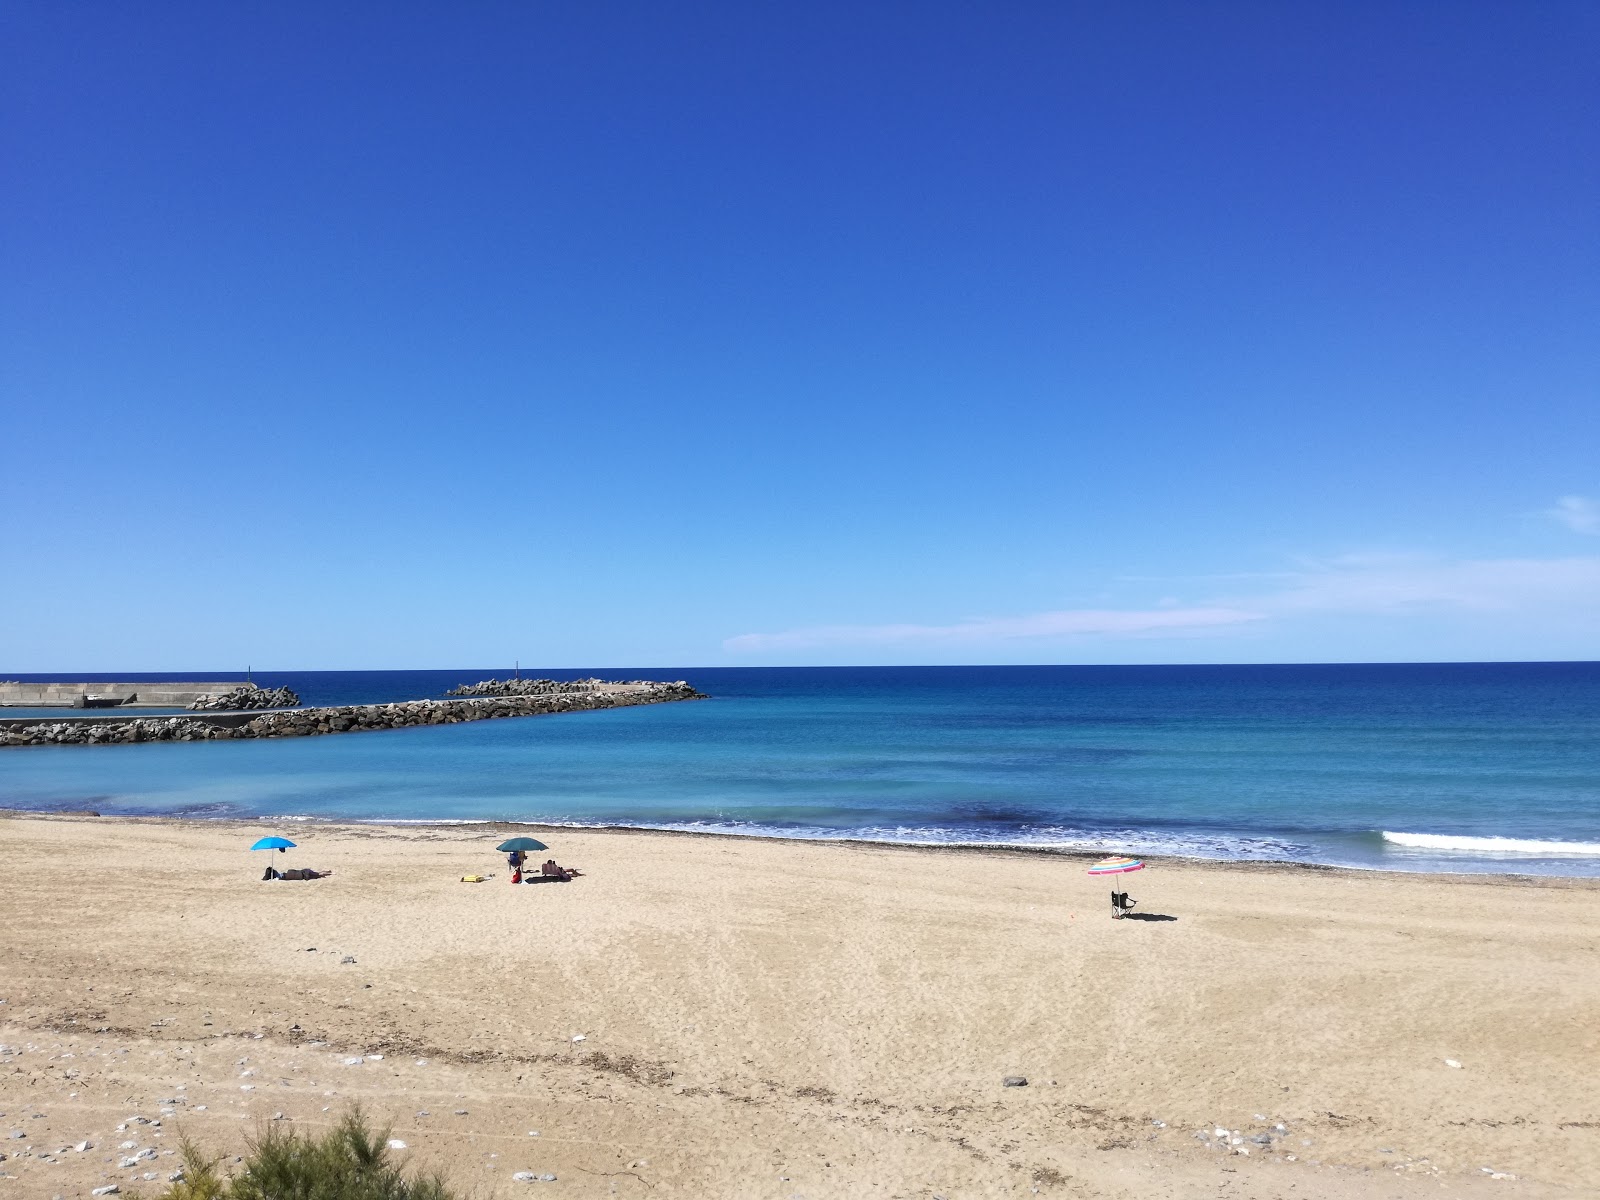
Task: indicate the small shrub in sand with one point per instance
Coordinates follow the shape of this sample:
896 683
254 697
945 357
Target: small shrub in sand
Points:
348 1162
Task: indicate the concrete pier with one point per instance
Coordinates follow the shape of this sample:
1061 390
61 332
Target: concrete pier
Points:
111 695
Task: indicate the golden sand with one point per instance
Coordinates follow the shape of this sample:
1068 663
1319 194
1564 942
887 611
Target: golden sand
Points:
771 1019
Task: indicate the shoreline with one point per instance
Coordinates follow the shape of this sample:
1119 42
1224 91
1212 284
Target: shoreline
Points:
1067 853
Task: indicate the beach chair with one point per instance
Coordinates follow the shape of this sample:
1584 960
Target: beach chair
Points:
1121 905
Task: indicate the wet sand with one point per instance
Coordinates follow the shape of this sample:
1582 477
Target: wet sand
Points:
771 1019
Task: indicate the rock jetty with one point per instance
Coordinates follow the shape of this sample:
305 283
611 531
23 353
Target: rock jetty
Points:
345 718
542 687
247 698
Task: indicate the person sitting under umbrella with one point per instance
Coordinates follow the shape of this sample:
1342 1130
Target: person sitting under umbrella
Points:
516 852
553 871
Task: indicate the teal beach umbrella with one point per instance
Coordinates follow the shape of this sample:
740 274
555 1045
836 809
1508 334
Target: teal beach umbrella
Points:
522 843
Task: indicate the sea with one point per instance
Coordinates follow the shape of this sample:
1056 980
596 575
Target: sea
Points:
1465 767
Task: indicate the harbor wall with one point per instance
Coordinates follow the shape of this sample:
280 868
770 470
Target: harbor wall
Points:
135 695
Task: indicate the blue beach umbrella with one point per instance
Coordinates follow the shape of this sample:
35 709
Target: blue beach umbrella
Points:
273 843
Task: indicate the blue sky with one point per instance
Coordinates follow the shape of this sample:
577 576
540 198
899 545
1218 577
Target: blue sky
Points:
368 336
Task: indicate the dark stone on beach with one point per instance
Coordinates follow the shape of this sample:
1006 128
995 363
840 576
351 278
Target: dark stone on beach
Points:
1014 1081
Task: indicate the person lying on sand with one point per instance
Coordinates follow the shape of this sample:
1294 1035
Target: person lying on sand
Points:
557 872
296 873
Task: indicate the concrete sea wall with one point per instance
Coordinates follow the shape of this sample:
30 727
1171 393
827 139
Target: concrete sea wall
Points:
311 722
138 695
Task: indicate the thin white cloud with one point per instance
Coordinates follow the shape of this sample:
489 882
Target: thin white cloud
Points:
1072 622
1578 513
1401 583
1530 589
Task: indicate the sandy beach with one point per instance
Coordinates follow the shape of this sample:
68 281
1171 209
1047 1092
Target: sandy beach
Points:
709 1016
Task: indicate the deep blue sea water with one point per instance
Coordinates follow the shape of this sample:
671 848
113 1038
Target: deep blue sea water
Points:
1465 767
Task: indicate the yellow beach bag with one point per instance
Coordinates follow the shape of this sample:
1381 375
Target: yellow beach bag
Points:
472 879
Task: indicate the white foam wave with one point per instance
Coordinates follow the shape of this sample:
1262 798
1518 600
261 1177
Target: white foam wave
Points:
323 819
1491 845
1126 841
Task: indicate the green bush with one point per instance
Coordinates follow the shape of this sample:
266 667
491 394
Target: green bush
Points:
349 1162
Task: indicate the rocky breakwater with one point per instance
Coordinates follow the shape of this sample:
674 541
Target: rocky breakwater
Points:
347 718
246 699
549 687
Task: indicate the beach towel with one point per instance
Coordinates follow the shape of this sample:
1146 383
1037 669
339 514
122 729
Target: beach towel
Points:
472 879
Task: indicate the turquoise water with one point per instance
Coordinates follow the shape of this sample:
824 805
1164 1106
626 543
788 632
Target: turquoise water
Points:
1452 767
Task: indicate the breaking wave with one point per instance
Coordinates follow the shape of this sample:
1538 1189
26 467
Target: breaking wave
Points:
1129 841
1491 845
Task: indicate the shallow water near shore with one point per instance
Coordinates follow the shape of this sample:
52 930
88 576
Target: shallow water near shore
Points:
1459 767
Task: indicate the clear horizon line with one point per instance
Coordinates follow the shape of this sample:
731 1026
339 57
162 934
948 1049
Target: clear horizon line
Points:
222 676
